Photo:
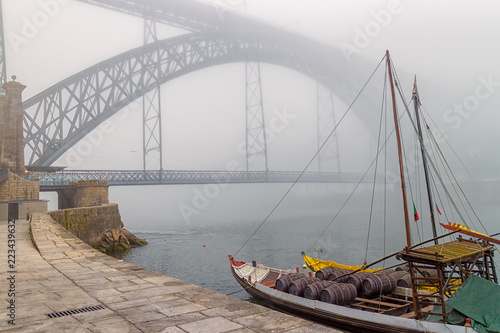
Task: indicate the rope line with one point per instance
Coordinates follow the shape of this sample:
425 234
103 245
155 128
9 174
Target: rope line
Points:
382 112
312 159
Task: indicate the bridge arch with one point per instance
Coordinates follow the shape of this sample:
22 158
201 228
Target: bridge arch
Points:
63 114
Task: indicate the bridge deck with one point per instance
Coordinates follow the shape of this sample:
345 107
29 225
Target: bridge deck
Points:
58 180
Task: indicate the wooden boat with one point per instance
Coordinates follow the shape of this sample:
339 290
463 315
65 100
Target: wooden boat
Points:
260 282
443 287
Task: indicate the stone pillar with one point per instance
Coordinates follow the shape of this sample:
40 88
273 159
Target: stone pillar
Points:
3 128
85 193
14 140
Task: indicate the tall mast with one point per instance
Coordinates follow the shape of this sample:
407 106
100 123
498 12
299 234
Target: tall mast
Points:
416 103
400 154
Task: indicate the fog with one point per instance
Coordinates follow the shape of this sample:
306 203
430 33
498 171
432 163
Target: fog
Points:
448 45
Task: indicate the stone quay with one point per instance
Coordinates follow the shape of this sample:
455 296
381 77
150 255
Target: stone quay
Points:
60 284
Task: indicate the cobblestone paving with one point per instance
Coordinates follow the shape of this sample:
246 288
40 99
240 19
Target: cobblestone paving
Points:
67 274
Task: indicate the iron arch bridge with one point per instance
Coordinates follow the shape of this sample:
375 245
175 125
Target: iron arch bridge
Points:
63 114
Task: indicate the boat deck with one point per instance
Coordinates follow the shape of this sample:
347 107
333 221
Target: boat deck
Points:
447 253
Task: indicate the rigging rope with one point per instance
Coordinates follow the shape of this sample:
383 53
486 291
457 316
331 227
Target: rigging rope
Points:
431 135
312 159
403 98
382 109
460 187
447 142
356 187
448 171
451 211
431 163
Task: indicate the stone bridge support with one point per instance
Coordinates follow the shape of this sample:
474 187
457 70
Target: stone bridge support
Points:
85 193
11 129
18 197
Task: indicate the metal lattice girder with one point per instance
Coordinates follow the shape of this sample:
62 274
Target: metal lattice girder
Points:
151 106
328 157
3 60
60 116
256 145
149 177
190 15
152 138
150 35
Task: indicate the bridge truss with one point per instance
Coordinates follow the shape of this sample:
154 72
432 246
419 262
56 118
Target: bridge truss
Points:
62 115
60 179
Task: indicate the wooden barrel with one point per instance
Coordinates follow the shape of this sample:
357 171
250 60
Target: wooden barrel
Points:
313 290
399 274
386 271
432 273
379 284
357 279
404 281
339 293
283 283
323 273
297 287
339 276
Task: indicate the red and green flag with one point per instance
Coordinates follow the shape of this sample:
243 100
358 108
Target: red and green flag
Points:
415 214
438 209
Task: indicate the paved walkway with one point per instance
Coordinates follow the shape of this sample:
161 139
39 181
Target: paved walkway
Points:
67 274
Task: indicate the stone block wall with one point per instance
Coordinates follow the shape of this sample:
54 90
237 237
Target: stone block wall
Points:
85 193
89 223
11 128
24 207
16 188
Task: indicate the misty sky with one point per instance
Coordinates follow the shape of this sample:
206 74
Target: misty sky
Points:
449 45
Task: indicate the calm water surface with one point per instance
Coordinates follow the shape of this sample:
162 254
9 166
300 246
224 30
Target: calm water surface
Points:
198 252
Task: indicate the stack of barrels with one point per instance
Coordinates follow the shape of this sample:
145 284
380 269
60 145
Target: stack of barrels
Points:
382 283
339 286
328 286
405 281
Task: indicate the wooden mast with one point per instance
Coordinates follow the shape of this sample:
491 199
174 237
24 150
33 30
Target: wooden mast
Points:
400 152
416 304
424 160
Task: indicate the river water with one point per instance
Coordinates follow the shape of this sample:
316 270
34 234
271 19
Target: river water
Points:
197 250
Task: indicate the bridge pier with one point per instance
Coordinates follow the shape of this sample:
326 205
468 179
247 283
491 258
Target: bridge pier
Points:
11 129
18 196
85 193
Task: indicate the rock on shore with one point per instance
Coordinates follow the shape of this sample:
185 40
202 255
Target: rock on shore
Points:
117 242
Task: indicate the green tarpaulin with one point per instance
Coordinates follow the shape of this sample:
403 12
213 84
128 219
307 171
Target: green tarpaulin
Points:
477 299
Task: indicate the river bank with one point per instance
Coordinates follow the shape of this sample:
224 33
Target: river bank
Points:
62 284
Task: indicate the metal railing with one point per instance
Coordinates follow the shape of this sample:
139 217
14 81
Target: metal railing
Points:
154 177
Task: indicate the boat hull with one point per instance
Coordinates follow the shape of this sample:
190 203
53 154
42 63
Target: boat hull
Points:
340 317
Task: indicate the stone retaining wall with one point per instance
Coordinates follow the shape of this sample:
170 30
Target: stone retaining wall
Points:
16 188
89 223
85 193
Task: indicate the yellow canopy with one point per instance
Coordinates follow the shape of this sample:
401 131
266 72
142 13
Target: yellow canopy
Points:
316 264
